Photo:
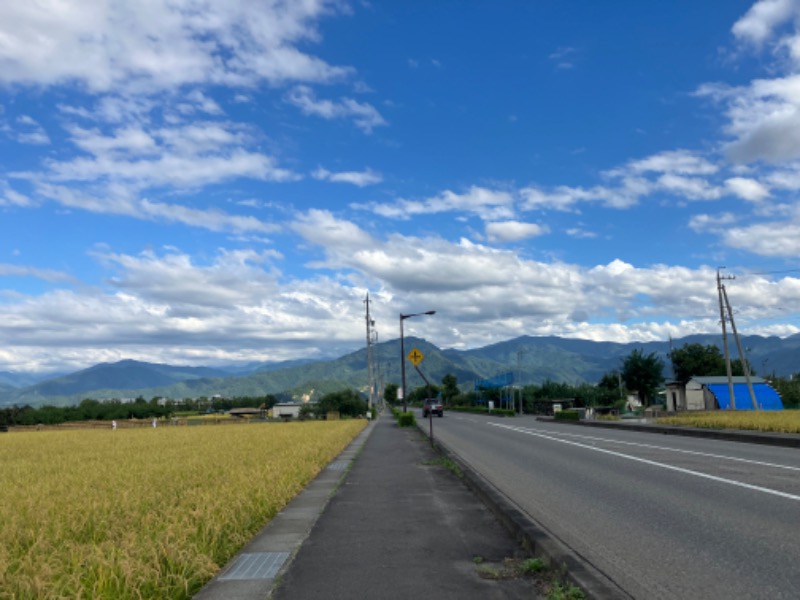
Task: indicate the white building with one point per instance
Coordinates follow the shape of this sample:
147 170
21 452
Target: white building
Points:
286 410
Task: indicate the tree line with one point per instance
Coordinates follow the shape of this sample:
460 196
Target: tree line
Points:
115 409
639 372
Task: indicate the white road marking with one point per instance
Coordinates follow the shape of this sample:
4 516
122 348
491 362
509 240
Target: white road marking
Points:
651 462
667 448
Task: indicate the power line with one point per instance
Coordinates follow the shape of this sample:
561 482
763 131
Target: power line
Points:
771 272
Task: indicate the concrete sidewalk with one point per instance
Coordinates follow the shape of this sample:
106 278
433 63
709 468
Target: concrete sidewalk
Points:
399 525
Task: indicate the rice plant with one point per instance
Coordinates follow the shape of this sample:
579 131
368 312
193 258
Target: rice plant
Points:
146 513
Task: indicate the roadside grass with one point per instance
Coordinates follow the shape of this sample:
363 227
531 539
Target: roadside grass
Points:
146 513
781 421
549 581
448 464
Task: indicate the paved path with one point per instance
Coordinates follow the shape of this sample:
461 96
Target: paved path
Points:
399 525
402 527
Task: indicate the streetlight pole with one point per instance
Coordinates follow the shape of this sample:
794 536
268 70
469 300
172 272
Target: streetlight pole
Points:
403 355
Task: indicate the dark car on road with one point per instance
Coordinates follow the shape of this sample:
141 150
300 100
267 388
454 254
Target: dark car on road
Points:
432 406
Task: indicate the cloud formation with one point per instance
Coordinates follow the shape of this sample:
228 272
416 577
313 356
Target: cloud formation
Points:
156 45
208 141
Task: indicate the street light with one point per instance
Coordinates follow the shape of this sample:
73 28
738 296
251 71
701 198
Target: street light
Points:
403 354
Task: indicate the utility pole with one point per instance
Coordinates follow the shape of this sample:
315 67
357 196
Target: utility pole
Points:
724 304
742 357
520 352
370 366
376 370
720 287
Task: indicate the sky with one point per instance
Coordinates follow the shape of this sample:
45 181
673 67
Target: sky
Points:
217 183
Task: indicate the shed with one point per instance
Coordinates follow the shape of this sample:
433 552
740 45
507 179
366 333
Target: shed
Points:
712 393
245 412
286 410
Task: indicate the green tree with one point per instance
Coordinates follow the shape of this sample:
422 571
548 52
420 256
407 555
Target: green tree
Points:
553 390
348 403
390 393
449 388
90 409
789 390
697 360
643 373
611 383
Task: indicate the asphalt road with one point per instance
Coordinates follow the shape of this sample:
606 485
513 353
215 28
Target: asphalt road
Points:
662 516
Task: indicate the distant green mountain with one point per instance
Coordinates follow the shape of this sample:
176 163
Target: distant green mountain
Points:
122 379
530 359
16 380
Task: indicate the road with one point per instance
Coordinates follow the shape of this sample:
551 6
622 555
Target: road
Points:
662 516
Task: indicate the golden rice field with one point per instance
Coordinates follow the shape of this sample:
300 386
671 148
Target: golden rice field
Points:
146 513
782 421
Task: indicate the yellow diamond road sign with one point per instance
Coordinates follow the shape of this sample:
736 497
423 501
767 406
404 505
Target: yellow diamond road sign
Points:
415 356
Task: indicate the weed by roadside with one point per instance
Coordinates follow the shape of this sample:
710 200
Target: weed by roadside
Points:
549 581
448 464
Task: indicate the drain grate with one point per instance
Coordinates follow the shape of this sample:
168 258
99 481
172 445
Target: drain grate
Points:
339 465
257 565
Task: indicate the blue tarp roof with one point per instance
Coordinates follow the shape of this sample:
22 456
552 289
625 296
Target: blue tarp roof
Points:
766 397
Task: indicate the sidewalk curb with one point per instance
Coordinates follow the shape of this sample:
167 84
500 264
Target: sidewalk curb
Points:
532 536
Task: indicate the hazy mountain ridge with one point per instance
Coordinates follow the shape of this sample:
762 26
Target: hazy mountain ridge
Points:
531 359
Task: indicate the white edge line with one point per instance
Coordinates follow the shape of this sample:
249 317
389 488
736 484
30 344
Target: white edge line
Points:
655 464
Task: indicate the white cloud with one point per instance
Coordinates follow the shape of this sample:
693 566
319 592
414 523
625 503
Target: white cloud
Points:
578 232
564 57
711 223
358 178
29 131
159 44
786 178
322 228
680 173
120 201
764 119
513 231
566 198
36 138
236 307
682 162
747 189
9 270
758 24
692 188
189 156
485 203
365 116
10 197
172 281
171 169
497 292
201 102
780 239
168 308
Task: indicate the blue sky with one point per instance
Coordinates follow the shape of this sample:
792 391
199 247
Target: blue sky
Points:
212 183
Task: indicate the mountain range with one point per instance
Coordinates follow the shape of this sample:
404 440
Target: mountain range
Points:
530 359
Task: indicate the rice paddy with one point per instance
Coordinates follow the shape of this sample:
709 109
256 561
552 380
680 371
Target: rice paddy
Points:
146 513
781 421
